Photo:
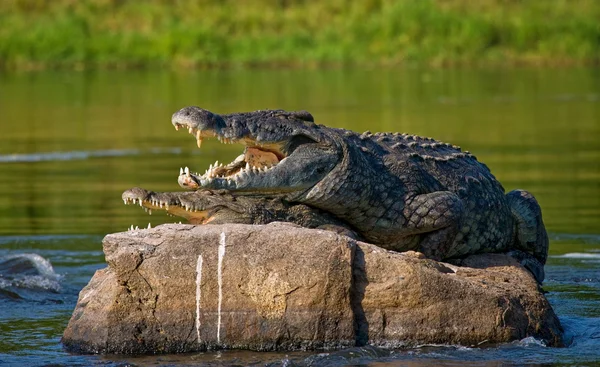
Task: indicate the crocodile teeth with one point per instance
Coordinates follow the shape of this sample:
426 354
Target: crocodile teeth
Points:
150 211
187 171
199 138
149 226
190 130
177 127
180 171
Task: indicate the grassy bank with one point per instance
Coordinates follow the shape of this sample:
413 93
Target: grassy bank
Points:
117 33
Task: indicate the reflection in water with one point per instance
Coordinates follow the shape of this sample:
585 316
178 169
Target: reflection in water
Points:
535 129
71 143
75 155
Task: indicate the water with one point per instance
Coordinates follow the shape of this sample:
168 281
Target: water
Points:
70 143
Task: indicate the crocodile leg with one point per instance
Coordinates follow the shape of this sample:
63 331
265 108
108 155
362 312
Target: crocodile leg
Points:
437 217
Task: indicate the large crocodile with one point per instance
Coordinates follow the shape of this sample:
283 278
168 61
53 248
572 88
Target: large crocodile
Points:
207 207
401 192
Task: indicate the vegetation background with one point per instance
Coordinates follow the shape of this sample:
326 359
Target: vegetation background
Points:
80 34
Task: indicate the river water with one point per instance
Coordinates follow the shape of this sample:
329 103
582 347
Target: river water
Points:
71 142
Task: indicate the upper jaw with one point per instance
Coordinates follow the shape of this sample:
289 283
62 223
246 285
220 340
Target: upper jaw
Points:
199 122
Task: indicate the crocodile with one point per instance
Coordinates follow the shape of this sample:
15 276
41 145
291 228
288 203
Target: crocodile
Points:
208 207
399 191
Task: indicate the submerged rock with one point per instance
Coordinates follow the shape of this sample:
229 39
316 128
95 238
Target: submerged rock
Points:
183 288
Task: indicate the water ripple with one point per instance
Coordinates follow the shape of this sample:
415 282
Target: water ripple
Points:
82 154
27 271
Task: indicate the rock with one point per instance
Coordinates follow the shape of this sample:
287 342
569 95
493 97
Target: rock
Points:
178 288
184 288
403 299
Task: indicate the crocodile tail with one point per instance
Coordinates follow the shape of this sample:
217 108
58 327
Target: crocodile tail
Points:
531 236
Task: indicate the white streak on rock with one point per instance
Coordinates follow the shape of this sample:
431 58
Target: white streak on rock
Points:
220 280
198 294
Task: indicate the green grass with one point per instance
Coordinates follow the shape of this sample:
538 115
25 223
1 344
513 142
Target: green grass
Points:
208 33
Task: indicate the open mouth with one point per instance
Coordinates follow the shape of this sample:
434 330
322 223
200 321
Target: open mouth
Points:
256 159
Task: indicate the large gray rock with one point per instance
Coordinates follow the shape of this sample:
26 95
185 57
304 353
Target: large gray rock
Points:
182 288
403 299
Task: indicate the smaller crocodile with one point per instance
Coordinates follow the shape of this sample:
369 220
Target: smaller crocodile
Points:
212 207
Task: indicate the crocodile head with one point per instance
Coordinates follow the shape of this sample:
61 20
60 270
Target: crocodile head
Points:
197 207
283 151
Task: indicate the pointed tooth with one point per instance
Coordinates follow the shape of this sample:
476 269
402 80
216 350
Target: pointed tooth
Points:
187 171
247 166
199 138
125 201
216 164
180 171
150 211
149 226
177 127
190 130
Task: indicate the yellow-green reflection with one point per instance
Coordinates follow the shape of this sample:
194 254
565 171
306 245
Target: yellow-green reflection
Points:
535 129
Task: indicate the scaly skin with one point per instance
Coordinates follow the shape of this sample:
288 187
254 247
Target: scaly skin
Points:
401 192
207 207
